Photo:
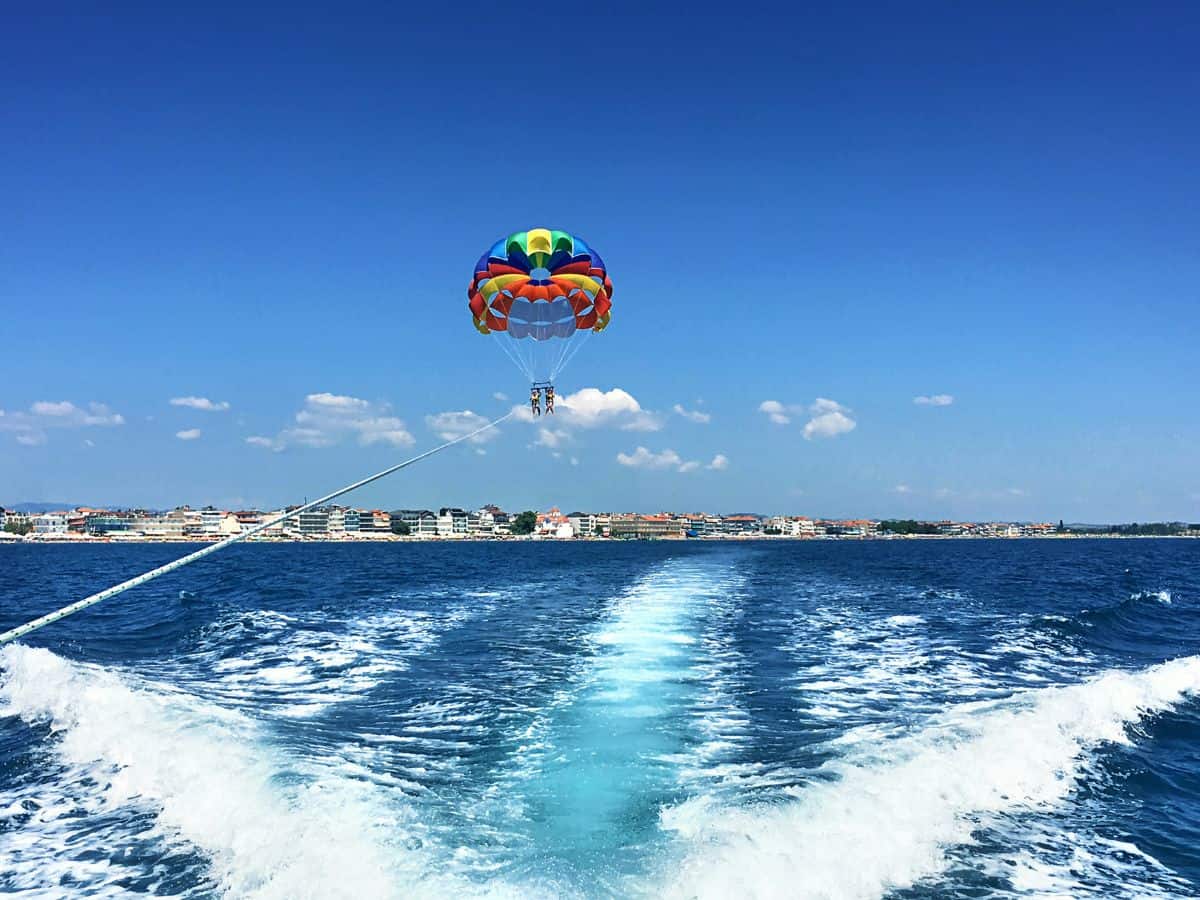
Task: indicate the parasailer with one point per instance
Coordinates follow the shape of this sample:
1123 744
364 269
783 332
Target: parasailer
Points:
542 293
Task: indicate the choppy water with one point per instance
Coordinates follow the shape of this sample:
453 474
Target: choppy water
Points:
840 720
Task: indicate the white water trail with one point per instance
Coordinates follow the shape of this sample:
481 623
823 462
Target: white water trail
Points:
584 779
209 778
885 824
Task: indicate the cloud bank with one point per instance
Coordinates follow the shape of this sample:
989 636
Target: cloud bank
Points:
328 419
30 428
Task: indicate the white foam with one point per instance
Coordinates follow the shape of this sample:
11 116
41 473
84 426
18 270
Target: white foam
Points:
207 777
298 666
887 823
1163 597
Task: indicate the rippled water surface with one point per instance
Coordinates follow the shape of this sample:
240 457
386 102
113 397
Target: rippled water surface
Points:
787 719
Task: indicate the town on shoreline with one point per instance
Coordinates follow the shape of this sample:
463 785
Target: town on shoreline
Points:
343 523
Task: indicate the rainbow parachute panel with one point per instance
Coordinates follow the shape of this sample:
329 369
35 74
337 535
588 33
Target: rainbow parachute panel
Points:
540 287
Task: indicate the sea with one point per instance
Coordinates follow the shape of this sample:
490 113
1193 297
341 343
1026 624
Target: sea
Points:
812 719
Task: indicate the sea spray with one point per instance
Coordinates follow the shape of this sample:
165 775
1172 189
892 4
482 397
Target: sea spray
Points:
884 826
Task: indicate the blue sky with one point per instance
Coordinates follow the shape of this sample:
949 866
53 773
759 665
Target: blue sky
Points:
831 212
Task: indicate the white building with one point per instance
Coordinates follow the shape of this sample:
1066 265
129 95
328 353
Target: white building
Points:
50 523
18 519
583 523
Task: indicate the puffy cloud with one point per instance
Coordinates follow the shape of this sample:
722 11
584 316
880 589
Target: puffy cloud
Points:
588 408
201 403
642 458
327 419
188 434
829 419
451 425
552 437
30 427
692 415
902 489
776 411
594 408
826 418
338 403
501 396
934 400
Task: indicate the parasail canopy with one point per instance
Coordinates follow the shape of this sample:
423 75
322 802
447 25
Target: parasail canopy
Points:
541 293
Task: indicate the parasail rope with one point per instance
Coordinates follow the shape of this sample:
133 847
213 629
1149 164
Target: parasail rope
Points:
73 608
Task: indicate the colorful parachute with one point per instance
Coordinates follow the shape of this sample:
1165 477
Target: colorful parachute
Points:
542 293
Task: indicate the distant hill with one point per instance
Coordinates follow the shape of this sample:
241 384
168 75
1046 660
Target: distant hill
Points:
38 507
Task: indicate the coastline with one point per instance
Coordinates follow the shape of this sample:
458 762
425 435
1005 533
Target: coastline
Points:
456 539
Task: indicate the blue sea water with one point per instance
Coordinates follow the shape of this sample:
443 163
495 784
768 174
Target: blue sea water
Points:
903 719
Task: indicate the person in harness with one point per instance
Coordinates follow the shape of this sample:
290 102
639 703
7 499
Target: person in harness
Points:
550 400
535 402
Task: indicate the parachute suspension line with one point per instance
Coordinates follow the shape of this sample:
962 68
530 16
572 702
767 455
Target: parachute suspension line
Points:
562 352
571 351
506 347
83 604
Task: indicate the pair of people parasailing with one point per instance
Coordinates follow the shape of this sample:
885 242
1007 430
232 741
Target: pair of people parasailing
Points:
535 400
542 293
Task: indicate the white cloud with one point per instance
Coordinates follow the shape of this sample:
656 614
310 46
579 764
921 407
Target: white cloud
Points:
594 408
30 427
552 437
719 463
188 434
87 442
588 408
776 411
902 489
200 403
934 400
51 408
692 415
829 419
337 403
501 396
451 425
641 458
327 419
